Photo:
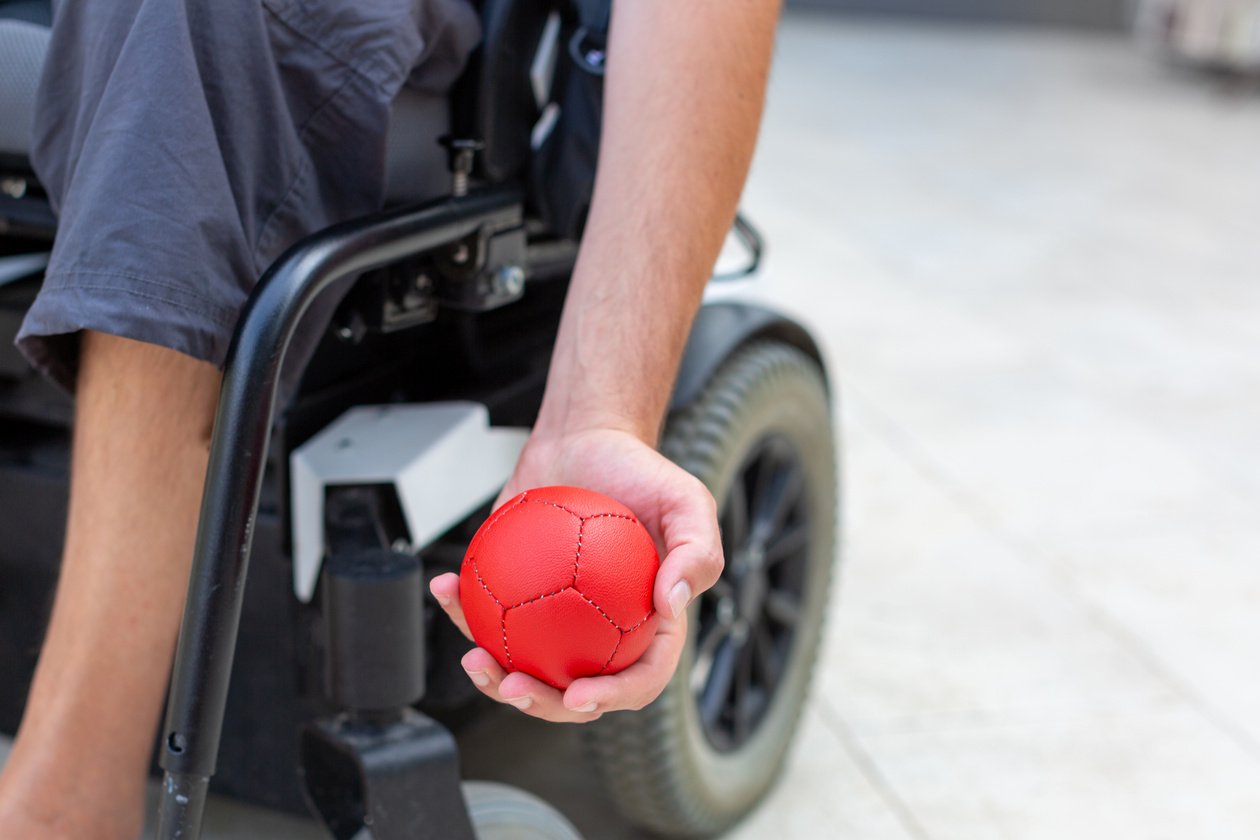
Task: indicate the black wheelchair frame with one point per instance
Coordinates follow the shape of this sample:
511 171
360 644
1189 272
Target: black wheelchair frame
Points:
238 454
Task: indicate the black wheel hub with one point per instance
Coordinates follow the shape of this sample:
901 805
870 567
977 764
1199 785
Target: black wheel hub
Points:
747 621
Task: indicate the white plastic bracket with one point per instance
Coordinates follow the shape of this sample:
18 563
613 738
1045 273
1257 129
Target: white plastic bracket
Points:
444 459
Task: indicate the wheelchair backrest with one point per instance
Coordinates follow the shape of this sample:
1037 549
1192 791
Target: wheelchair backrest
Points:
494 101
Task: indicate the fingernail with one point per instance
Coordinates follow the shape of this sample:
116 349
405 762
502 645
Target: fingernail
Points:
679 598
479 677
587 707
521 702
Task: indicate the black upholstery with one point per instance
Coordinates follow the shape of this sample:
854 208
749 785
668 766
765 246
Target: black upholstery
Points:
495 100
31 11
22 47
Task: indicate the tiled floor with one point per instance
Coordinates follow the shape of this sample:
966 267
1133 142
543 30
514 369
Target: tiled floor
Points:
1034 260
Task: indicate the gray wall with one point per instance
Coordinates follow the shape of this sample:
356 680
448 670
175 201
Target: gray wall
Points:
1095 13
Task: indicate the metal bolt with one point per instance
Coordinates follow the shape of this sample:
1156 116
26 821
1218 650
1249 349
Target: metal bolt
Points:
459 183
352 329
13 187
510 280
461 153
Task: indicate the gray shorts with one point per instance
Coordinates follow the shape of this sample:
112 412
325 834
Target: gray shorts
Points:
186 143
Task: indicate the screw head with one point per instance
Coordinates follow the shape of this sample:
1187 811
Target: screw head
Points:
13 187
510 280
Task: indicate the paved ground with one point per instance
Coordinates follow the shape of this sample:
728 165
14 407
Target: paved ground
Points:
1033 259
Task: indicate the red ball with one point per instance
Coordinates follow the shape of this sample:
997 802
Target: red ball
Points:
557 584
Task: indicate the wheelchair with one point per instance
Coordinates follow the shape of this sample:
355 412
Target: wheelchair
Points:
342 501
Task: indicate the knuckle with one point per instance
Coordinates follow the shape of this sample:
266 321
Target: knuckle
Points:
709 498
642 703
714 562
701 490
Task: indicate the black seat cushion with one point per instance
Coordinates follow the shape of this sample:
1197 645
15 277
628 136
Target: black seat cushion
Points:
22 48
31 11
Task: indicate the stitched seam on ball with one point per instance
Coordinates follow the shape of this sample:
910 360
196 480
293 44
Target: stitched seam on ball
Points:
621 638
582 518
577 557
480 580
540 597
650 613
606 616
612 655
522 499
610 516
502 610
559 506
507 653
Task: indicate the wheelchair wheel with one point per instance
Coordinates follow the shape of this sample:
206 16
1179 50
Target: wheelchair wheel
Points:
501 812
710 747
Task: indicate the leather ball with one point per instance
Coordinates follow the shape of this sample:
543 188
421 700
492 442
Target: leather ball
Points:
557 583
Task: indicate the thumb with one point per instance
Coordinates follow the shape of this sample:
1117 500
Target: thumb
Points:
687 571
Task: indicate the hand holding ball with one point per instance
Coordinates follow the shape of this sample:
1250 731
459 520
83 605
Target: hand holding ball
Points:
558 584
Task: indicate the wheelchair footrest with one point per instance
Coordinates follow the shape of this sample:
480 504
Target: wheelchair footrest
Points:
398 778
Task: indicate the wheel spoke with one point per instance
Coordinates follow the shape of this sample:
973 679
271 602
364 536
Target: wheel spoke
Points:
718 687
742 711
767 467
783 607
771 509
712 639
767 661
705 651
786 543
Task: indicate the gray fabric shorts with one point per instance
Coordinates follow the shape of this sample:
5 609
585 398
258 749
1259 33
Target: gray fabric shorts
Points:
186 143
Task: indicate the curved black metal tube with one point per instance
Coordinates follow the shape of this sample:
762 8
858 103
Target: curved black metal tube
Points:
238 452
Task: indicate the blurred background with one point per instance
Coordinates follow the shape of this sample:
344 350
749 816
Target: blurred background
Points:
1026 232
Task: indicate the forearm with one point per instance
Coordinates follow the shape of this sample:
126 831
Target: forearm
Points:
683 99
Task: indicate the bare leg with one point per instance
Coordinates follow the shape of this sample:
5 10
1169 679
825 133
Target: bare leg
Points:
140 444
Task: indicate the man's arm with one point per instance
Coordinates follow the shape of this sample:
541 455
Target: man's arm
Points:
684 92
683 98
